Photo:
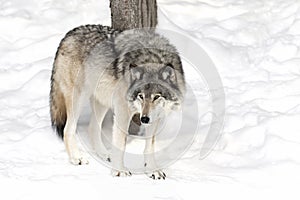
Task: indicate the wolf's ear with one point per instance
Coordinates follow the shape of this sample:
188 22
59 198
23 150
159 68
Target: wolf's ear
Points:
135 72
168 73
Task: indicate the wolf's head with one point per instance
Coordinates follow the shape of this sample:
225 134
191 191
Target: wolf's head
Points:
153 91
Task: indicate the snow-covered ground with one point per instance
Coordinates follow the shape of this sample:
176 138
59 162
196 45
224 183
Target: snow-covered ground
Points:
255 46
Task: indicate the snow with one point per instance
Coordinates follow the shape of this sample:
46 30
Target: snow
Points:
255 47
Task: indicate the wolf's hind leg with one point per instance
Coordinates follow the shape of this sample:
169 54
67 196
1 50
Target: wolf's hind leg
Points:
74 105
95 128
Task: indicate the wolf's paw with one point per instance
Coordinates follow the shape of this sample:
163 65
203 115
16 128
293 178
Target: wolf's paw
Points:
107 158
157 175
104 157
118 173
79 161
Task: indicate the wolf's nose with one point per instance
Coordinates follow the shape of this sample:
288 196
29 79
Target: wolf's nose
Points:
145 120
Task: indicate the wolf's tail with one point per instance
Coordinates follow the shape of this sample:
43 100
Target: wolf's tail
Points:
57 109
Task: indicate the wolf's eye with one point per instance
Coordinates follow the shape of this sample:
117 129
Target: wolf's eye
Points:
141 96
156 97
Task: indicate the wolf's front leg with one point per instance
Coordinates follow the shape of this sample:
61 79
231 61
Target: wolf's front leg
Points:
95 129
119 136
150 164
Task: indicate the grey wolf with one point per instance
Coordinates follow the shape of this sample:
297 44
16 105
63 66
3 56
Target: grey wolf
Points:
133 73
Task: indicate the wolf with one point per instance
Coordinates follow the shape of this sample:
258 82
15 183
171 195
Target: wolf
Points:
133 73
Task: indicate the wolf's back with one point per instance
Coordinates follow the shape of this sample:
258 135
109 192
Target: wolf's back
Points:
71 54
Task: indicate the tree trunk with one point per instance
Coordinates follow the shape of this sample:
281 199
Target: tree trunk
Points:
130 14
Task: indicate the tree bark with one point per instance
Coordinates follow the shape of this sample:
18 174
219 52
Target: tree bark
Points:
130 14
